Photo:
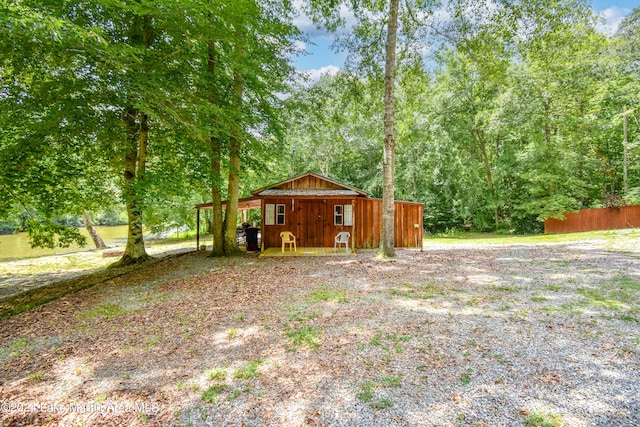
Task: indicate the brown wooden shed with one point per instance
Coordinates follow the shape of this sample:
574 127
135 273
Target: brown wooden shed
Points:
316 208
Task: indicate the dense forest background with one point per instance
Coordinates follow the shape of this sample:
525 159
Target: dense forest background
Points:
507 112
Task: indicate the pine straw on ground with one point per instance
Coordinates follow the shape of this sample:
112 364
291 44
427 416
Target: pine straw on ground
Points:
451 336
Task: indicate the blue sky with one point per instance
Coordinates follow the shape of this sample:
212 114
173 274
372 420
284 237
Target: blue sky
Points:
321 59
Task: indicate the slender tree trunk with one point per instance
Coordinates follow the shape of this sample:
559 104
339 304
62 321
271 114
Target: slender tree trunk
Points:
625 161
135 251
97 240
235 144
216 200
215 152
387 241
144 143
482 145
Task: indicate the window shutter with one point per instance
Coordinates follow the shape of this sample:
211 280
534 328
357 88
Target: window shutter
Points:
348 215
269 214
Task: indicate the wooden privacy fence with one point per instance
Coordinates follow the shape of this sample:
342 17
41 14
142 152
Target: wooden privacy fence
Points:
595 219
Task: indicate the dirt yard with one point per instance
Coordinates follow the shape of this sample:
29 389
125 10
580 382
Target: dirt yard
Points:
479 335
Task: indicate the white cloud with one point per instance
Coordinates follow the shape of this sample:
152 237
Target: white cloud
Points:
307 26
610 19
314 75
300 46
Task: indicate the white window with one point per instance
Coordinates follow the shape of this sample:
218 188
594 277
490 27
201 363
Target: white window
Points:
269 214
280 214
338 215
343 215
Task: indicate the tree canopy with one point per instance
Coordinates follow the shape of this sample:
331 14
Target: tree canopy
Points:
503 116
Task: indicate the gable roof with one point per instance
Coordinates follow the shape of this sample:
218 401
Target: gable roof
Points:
309 184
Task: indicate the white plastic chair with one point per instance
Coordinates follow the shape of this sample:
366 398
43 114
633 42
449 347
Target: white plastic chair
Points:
342 238
288 238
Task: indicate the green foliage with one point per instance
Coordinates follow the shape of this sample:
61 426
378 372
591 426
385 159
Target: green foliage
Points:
517 117
50 234
81 80
504 132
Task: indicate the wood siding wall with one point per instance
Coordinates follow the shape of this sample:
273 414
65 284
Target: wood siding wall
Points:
595 219
408 225
309 183
369 227
312 222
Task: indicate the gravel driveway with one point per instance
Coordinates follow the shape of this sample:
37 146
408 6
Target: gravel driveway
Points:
454 335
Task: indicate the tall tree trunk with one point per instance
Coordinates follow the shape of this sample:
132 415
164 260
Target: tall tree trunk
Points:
97 240
235 144
625 161
215 152
387 241
137 139
135 251
482 146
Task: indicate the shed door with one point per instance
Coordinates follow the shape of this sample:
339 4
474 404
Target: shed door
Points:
311 215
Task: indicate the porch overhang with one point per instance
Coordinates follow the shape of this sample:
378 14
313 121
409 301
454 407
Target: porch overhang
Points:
244 204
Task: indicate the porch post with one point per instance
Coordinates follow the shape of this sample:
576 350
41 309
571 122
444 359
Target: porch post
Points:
353 225
198 229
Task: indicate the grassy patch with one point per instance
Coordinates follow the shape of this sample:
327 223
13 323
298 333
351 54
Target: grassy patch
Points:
36 377
367 390
502 288
41 295
211 394
365 393
412 291
454 237
376 340
629 318
152 341
540 419
626 282
304 336
391 381
598 299
16 348
569 309
249 371
300 316
382 404
327 293
105 311
465 377
217 374
237 393
238 316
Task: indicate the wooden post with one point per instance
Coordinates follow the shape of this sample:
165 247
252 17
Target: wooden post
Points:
198 229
